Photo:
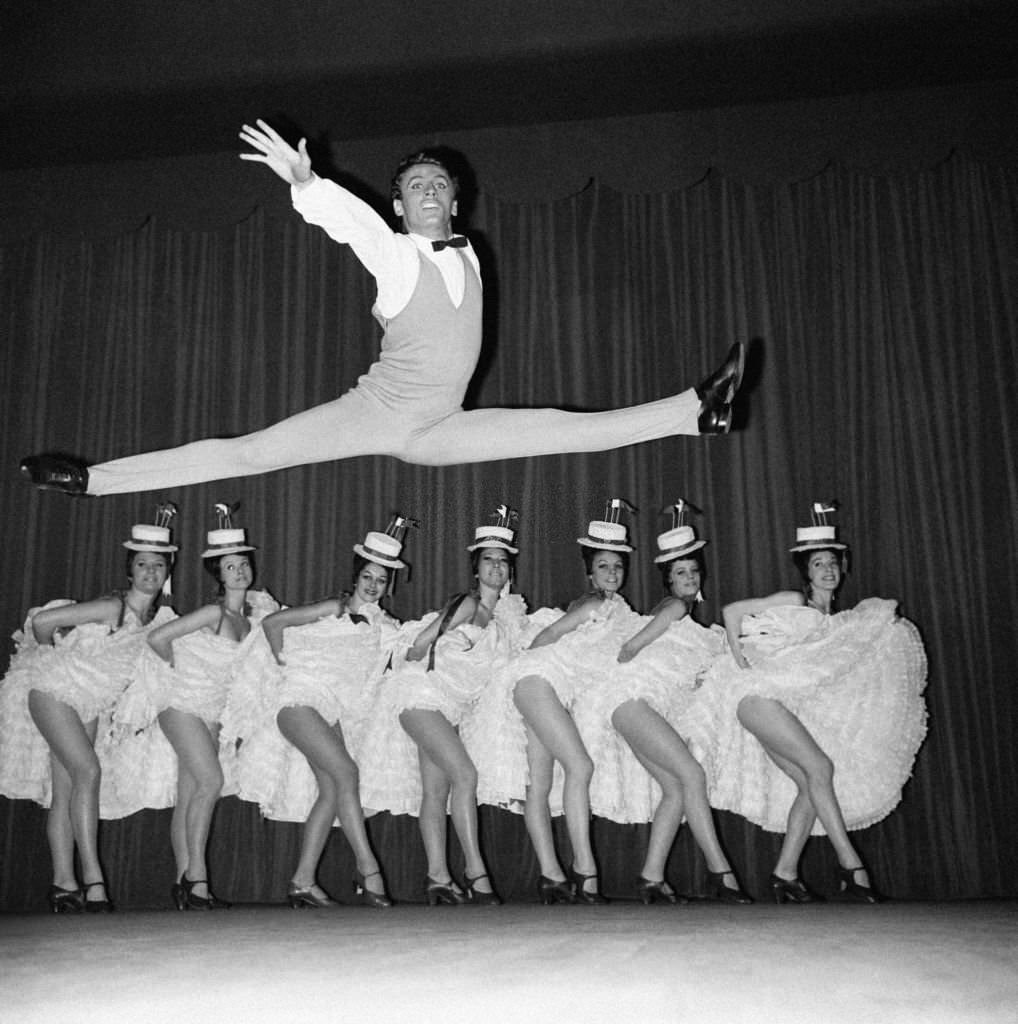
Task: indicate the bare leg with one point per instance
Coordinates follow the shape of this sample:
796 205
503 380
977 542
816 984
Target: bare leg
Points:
801 816
339 783
446 768
197 758
71 744
662 751
549 721
781 732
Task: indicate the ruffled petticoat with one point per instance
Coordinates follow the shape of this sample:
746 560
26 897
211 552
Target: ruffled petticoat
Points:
498 741
139 763
88 668
334 666
855 680
666 675
467 659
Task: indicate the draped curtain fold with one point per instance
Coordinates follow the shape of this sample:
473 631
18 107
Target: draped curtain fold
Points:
883 373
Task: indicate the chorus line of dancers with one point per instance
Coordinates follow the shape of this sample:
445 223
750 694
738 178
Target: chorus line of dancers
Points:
803 718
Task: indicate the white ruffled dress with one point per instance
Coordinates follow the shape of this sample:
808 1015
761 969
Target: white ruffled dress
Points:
335 666
139 764
467 659
87 668
854 679
666 674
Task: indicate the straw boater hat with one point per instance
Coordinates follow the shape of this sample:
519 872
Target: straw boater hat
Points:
821 534
680 540
498 535
608 534
226 540
154 537
384 548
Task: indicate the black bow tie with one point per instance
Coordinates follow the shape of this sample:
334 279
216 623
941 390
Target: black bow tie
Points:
456 242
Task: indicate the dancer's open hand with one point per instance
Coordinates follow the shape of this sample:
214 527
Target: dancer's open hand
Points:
292 165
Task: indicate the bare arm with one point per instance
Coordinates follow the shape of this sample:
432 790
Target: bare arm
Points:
161 639
46 623
733 614
670 610
427 636
577 614
273 625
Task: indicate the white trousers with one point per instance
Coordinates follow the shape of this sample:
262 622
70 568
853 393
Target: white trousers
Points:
355 424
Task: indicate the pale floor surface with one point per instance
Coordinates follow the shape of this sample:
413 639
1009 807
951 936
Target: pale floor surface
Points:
934 963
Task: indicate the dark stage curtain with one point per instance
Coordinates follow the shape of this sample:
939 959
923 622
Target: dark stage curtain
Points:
883 374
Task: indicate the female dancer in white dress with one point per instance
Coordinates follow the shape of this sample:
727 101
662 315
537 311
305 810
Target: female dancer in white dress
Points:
645 696
73 661
188 688
301 761
549 675
450 662
833 700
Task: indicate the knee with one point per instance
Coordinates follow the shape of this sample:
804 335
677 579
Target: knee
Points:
258 451
209 784
580 768
822 770
87 772
465 778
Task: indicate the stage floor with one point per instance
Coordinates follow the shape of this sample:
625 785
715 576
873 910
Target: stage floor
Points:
899 962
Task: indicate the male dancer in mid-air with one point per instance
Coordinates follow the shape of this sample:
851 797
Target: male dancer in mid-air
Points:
408 404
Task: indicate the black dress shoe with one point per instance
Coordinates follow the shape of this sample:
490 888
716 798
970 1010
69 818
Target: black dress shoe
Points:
56 473
718 890
852 890
717 392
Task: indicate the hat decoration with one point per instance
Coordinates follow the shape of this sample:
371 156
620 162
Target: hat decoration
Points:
226 539
384 548
608 533
680 540
821 534
154 537
499 534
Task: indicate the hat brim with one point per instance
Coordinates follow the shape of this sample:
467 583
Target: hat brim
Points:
140 545
671 556
603 545
817 545
493 544
229 549
389 563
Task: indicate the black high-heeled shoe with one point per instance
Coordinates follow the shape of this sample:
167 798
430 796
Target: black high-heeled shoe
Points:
792 890
190 901
103 906
551 891
657 892
305 896
447 893
65 901
475 896
582 895
717 890
379 900
852 890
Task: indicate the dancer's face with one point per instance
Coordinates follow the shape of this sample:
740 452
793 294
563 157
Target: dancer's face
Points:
235 571
823 570
149 570
684 579
427 201
493 568
607 571
371 584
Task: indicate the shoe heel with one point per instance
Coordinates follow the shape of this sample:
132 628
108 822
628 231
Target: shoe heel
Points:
65 901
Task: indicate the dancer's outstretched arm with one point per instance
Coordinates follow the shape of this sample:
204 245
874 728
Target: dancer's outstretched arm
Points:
292 165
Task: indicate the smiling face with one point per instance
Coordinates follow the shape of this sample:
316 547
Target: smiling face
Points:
492 568
370 584
684 579
823 571
148 571
427 200
607 571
